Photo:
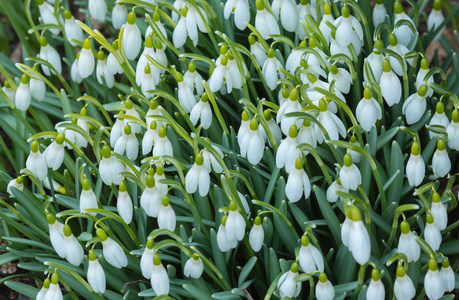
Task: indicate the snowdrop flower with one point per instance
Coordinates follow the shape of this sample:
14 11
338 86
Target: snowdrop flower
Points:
110 168
368 110
293 105
324 288
274 129
307 68
119 16
86 60
16 183
265 23
295 58
152 111
403 286
234 70
149 138
37 89
403 33
225 244
132 39
375 289
315 96
297 183
202 111
356 156
421 77
23 95
244 128
440 119
350 174
163 146
333 188
270 68
253 144
438 211
157 21
193 267
36 162
359 239
235 224
44 289
432 234
186 27
379 15
210 162
287 10
117 130
88 199
331 123
113 65
342 77
49 54
441 163
124 204
102 71
453 131
146 261
433 282
159 277
256 235
185 94
257 50
56 235
401 50
391 88
309 257
407 243
144 61
113 253
194 79
166 215
286 156
127 142
8 90
447 275
72 30
47 15
150 200
54 154
324 28
97 9
415 168
74 251
221 76
435 19
313 59
415 105
148 83
348 31
198 177
346 227
303 9
54 292
375 60
96 274
287 285
74 73
241 11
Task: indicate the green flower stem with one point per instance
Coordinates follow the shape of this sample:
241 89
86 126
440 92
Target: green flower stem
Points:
397 213
272 287
279 213
222 279
313 152
217 112
363 20
99 106
244 179
425 247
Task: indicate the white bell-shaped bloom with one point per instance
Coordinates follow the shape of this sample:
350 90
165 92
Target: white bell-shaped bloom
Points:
202 111
348 31
159 277
244 128
401 50
221 76
146 260
8 90
234 71
116 131
56 235
97 9
185 94
37 89
368 111
188 25
273 129
432 234
447 275
435 19
433 283
305 8
96 274
331 123
356 156
210 162
438 211
376 290
44 289
403 33
403 286
193 267
158 176
72 30
415 168
307 135
225 244
163 146
87 197
287 285
297 183
102 74
119 16
74 73
23 95
315 96
333 188
295 58
148 83
415 105
153 110
132 39
166 215
124 204
421 77
379 15
253 144
407 243
151 197
324 28
440 119
241 11
293 105
36 162
55 152
198 178
314 69
359 239
453 131
391 88
235 224
113 253
441 163
54 292
270 70
350 174
375 60
144 61
86 60
257 50
346 227
287 11
110 167
342 77
324 288
127 142
194 79
309 257
149 138
265 23
113 65
287 153
47 15
49 54
256 235
74 251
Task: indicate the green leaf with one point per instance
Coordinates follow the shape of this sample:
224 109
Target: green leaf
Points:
397 165
196 292
246 270
22 288
329 214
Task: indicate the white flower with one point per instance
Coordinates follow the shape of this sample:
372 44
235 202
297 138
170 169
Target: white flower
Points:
8 90
36 162
265 23
346 227
96 274
194 79
415 105
44 289
37 89
110 168
375 61
348 31
453 131
433 282
253 144
235 224
193 267
324 288
54 292
342 77
447 275
185 94
432 234
403 33
440 119
293 105
403 286
368 111
331 123
210 160
438 211
127 142
163 146
350 174
113 65
49 54
359 240
202 111
295 58
16 183
146 261
225 244
315 96
407 243
143 62
166 215
435 19
297 183
74 73
314 69
153 110
305 8
124 204
441 164
275 130
241 11
401 50
287 285
421 76
55 152
287 9
149 138
244 128
97 9
87 197
333 188
391 88
113 253
379 15
257 50
102 71
188 26
132 39
375 289
86 60
309 257
159 277
47 15
23 95
56 235
198 178
72 30
256 235
270 68
234 71
73 250
116 131
415 168
324 28
157 21
148 83
119 16
287 153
